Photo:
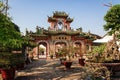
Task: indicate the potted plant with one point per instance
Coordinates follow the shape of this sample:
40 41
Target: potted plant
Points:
81 59
51 54
7 65
62 54
68 52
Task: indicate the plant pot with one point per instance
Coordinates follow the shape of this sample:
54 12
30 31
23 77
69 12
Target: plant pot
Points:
51 56
67 64
62 60
81 62
20 66
112 67
8 74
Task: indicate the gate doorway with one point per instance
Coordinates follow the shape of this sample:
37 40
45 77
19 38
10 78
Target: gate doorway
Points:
42 51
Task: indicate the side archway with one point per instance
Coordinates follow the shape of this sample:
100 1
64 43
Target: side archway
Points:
42 49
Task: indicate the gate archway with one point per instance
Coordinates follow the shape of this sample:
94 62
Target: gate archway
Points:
42 50
80 45
59 45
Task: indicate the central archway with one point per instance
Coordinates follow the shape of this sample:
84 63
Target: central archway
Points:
59 45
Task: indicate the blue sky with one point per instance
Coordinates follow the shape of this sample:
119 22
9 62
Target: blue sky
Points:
88 14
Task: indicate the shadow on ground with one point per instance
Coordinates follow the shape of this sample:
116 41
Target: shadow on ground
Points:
49 70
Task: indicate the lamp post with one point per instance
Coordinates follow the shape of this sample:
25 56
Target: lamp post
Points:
6 7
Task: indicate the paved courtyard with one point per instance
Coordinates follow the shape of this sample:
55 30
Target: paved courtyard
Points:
43 69
49 70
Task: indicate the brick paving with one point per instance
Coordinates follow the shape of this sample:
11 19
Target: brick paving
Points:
49 70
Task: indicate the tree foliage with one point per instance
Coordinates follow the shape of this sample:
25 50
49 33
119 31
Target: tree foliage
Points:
10 37
112 19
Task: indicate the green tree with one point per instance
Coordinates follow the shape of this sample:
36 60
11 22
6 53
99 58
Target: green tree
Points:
112 19
10 37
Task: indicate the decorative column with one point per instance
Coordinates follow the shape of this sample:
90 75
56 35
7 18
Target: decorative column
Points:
51 48
83 48
90 47
37 52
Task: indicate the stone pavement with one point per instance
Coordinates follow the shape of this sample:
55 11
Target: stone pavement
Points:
43 69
